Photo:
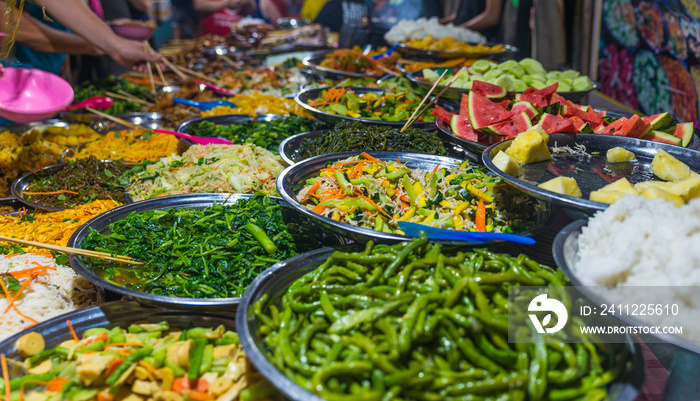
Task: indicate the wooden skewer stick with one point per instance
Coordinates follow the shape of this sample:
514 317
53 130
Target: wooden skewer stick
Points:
128 98
113 118
73 251
388 70
227 59
174 68
133 98
160 70
435 99
430 92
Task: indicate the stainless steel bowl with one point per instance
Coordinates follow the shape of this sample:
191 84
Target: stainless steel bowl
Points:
274 282
314 62
590 174
416 52
289 148
114 314
20 185
456 93
227 119
292 177
305 237
39 125
145 120
305 96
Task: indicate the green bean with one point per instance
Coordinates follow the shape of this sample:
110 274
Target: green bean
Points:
48 354
124 366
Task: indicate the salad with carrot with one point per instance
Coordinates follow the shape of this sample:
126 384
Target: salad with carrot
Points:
142 361
371 193
391 105
350 60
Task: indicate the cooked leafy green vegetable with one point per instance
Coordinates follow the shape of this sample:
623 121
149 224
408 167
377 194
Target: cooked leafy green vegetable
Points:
112 84
80 182
355 136
197 253
266 134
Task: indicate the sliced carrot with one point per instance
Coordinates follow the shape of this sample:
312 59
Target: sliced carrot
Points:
369 157
105 396
200 396
320 208
382 211
63 191
150 368
356 171
181 384
113 366
55 385
436 168
24 285
72 332
480 219
5 376
202 385
314 187
9 298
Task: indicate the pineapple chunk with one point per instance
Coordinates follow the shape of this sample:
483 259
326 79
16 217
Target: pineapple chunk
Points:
529 147
562 185
506 164
654 192
686 189
668 168
619 155
621 185
642 186
608 196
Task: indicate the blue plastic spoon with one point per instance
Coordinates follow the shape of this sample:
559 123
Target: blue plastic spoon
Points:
204 106
386 53
413 229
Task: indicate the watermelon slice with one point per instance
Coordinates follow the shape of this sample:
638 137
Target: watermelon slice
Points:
602 113
568 109
662 122
483 112
547 91
526 107
488 90
518 123
537 100
581 126
557 125
556 98
660 136
612 128
685 131
505 103
462 127
590 116
464 105
635 127
442 114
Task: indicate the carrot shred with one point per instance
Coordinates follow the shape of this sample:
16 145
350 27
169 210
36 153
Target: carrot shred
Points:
150 368
113 366
369 157
5 376
105 396
382 211
480 218
72 332
314 187
436 168
63 191
55 385
9 299
22 288
319 208
200 396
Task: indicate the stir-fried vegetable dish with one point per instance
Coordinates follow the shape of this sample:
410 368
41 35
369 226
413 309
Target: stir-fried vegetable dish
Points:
349 60
242 169
72 135
392 105
272 81
80 181
20 154
266 134
349 136
411 322
118 86
142 361
259 103
370 193
196 253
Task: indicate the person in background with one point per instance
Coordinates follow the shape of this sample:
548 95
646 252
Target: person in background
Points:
272 10
483 16
311 8
43 43
219 15
185 19
336 14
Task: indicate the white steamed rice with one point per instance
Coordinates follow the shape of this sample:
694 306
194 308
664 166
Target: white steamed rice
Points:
406 30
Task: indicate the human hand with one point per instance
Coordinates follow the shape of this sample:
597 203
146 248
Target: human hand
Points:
130 52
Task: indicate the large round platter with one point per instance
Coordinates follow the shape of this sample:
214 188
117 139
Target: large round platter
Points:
145 120
565 249
113 314
20 185
305 96
508 50
227 119
291 178
590 173
275 281
289 148
299 227
456 93
314 62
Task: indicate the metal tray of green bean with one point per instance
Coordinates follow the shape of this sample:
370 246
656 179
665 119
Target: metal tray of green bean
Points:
201 250
411 321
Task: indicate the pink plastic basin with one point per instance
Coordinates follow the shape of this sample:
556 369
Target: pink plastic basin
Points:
28 95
